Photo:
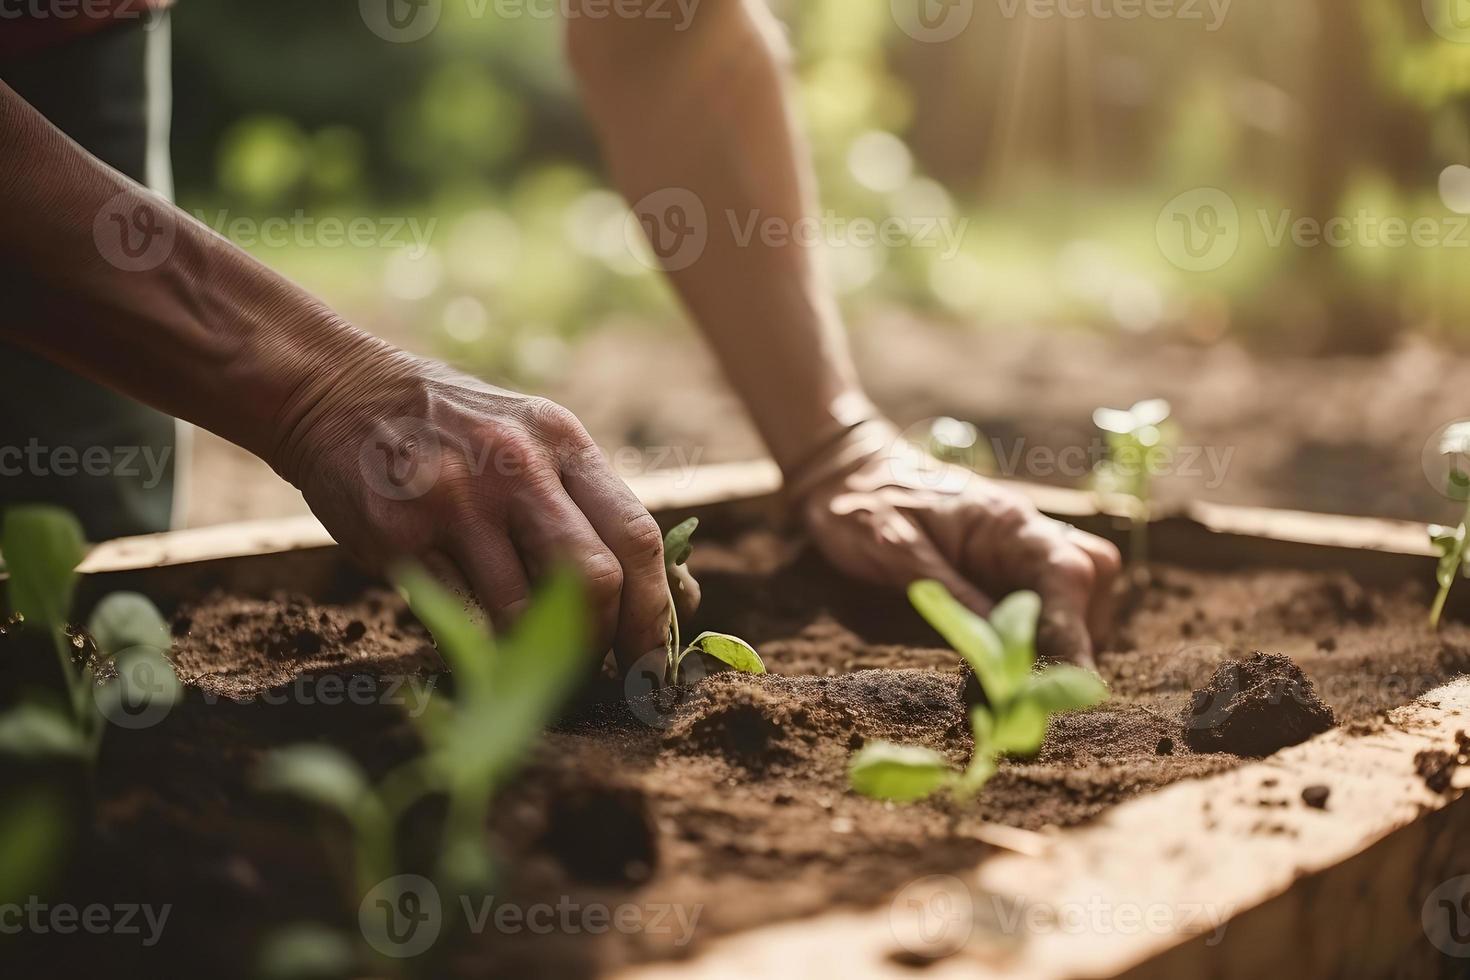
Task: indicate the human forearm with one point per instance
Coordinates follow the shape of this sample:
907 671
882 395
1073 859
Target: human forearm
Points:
704 109
181 319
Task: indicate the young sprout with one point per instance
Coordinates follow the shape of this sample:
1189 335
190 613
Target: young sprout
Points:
1002 653
506 692
42 547
729 650
1450 542
1136 438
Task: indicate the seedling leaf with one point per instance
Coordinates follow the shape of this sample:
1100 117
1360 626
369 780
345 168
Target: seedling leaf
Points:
1065 688
42 546
1014 620
974 638
317 773
532 673
1019 729
677 545
305 951
32 838
903 773
467 647
124 620
730 650
31 731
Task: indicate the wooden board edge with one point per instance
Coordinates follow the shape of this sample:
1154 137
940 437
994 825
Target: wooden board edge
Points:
1172 872
759 482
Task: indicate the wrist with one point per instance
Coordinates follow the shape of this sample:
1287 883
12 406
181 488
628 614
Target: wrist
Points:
840 457
337 382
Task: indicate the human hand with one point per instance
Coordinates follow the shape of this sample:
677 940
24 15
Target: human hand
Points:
882 510
405 460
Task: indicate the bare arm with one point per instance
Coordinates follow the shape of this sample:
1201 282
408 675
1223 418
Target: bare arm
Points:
400 457
702 107
698 131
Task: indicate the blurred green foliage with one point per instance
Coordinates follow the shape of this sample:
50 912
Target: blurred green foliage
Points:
1047 145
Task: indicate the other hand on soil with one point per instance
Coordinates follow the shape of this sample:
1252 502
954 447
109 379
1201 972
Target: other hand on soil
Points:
886 512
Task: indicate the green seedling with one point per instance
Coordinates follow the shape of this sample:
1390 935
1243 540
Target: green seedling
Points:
1450 542
506 691
1020 699
729 650
42 547
1138 439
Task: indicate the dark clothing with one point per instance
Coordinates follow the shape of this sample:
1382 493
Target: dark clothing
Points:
65 440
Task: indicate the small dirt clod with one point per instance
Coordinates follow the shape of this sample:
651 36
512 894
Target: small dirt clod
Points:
1255 707
1316 796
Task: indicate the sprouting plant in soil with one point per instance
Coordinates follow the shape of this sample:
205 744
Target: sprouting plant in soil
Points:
126 642
729 650
1450 542
1138 439
505 692
1019 699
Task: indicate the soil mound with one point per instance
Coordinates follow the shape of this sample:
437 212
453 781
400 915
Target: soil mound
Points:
1255 707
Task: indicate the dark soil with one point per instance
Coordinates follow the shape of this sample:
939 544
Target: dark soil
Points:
733 803
1255 707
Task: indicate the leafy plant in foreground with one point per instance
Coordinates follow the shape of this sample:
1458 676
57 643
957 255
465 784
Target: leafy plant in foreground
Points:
506 691
1450 542
42 547
1002 653
729 650
1135 438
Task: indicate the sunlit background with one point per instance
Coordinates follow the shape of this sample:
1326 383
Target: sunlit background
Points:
1068 150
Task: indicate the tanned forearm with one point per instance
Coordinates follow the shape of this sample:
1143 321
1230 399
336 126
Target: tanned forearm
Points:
700 105
197 329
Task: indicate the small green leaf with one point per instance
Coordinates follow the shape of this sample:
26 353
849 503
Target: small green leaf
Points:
32 840
1015 621
731 650
124 620
534 670
972 636
1019 729
319 774
467 647
306 951
42 546
677 545
30 731
1063 687
903 773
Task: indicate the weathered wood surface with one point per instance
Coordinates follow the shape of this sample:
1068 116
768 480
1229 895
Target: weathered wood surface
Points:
1230 876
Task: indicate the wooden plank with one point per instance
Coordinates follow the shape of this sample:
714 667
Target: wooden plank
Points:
755 486
1210 878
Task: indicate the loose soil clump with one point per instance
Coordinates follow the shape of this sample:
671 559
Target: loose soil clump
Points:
1255 707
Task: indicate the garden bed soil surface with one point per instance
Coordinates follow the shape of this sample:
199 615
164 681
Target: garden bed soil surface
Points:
733 806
